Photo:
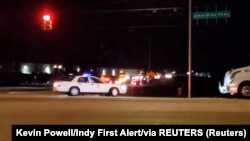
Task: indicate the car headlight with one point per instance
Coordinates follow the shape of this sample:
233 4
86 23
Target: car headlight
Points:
56 84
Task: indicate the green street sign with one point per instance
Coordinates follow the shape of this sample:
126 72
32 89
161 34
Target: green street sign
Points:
211 15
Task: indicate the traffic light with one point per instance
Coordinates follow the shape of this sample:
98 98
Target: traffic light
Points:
46 17
47 22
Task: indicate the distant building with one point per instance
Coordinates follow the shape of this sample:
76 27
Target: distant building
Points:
29 68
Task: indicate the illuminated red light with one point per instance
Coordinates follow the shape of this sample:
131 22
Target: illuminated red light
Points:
46 17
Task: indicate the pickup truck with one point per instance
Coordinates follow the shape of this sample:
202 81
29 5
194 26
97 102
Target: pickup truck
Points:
88 84
236 81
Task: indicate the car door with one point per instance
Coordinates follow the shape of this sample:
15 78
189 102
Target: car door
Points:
84 85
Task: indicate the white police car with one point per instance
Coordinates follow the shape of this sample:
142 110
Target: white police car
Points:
88 84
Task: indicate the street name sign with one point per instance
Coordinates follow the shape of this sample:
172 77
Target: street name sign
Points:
211 15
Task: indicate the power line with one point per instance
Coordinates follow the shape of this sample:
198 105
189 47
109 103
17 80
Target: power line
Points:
138 27
175 9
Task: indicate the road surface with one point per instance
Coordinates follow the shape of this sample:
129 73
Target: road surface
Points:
46 107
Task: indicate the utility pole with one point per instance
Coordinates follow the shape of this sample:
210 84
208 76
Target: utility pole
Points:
189 48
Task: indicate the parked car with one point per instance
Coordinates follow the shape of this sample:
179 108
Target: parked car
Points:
88 84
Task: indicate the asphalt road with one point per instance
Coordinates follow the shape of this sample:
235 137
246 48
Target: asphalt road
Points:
46 107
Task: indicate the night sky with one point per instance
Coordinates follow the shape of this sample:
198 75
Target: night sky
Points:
122 33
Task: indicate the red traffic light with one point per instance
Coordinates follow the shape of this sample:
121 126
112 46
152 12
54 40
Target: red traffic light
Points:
46 17
47 22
